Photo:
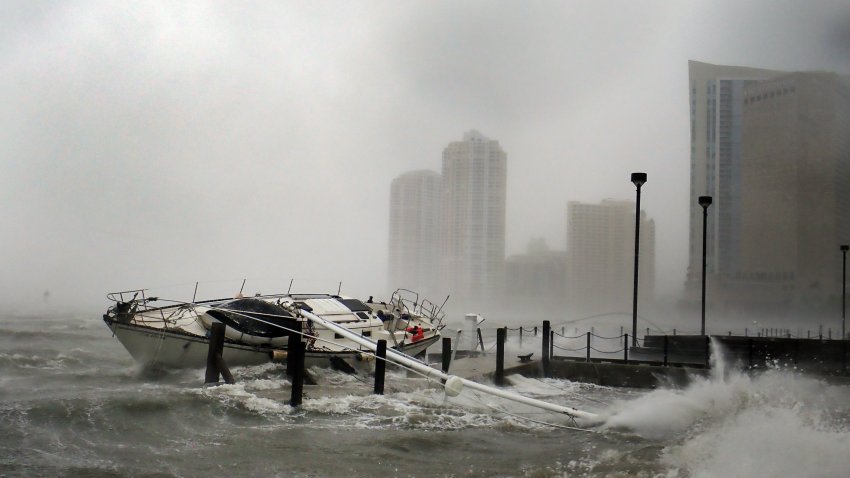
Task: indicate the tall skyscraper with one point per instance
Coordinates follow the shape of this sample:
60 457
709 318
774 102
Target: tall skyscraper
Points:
716 106
796 189
600 257
474 192
414 231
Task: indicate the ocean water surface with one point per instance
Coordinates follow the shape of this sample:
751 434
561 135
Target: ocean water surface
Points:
73 403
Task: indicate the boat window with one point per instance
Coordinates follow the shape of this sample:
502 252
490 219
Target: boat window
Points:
367 333
363 315
338 336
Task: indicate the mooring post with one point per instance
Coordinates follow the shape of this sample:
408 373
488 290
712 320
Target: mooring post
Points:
587 359
381 365
546 338
535 331
296 362
750 351
500 356
447 353
481 341
225 372
665 350
551 344
520 337
290 354
626 348
707 351
216 349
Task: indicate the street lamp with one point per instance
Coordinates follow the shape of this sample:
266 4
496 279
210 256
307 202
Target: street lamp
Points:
704 201
638 179
844 248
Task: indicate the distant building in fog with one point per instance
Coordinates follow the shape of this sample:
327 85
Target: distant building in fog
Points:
796 189
716 109
537 275
474 193
600 257
414 231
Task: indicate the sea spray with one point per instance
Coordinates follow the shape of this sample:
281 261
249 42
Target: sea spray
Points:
776 423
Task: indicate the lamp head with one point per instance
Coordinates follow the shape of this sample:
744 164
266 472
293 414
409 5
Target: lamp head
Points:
704 201
844 247
638 179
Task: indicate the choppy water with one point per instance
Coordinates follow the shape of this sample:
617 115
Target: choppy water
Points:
72 403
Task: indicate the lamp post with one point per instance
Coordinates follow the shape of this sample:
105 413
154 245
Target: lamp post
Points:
638 179
844 248
704 201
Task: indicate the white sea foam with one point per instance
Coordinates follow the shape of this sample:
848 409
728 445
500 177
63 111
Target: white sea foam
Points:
777 423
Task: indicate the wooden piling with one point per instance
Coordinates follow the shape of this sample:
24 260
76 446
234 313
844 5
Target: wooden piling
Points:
447 353
296 362
290 355
665 350
481 341
546 338
551 344
381 365
626 348
707 351
499 377
216 349
587 359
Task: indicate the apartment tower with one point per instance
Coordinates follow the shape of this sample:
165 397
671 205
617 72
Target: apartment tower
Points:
473 233
414 231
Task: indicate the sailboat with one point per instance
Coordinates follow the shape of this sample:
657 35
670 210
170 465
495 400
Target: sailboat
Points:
173 334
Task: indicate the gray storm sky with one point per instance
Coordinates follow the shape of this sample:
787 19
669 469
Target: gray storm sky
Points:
157 143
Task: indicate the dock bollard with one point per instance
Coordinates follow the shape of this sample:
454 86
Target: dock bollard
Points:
546 339
447 353
500 356
520 337
381 365
296 363
588 348
707 352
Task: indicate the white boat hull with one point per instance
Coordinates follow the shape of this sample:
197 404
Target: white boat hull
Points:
157 347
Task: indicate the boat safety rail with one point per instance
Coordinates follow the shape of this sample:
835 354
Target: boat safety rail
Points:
408 300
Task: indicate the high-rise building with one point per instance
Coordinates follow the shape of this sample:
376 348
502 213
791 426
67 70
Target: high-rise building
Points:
796 189
474 193
600 257
716 106
414 231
